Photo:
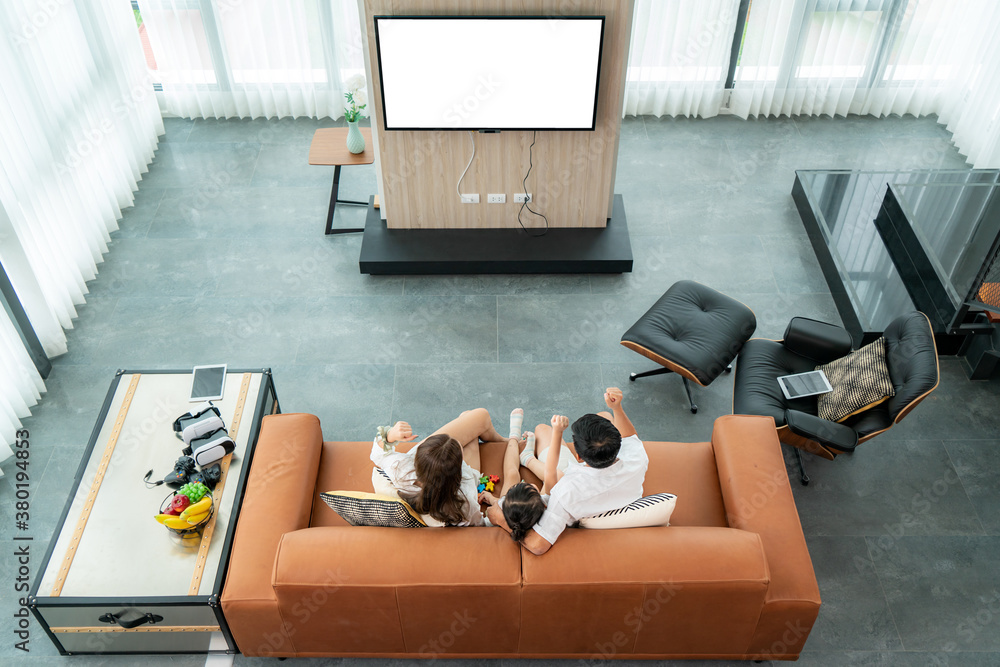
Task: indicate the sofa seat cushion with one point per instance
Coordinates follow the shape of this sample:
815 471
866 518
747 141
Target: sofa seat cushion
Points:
431 592
645 591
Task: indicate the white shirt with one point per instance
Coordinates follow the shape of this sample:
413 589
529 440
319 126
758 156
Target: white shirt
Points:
399 467
584 491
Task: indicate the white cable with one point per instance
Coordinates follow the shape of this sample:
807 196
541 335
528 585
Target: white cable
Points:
471 158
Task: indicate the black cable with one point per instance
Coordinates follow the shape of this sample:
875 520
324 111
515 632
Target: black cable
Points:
150 485
524 204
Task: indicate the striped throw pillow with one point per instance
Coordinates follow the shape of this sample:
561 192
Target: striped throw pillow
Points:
654 510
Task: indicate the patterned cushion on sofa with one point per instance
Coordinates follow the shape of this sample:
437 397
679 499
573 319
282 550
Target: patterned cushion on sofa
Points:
360 508
860 381
654 510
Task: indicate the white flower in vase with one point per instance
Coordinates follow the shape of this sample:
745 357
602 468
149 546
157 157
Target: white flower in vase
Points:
357 99
355 83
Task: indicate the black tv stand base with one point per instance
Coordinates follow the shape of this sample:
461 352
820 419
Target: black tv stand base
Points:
479 251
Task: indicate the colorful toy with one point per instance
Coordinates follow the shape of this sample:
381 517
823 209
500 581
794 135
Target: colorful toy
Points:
484 484
480 488
489 486
494 478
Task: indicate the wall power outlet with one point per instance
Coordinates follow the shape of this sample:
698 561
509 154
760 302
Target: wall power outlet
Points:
520 198
470 198
496 199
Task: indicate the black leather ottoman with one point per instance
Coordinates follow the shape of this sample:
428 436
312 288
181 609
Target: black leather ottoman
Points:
692 330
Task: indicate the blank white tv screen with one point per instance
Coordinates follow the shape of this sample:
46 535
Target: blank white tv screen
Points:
497 73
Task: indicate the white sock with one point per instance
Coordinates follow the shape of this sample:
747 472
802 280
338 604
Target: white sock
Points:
529 449
516 420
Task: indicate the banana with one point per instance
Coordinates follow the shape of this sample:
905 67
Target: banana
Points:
197 518
176 523
163 517
197 508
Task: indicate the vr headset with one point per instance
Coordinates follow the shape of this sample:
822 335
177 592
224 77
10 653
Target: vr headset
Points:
210 447
200 421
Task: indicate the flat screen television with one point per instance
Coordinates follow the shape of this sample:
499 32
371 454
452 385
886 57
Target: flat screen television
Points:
489 73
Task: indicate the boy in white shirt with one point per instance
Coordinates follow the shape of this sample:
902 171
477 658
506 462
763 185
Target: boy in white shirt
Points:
614 464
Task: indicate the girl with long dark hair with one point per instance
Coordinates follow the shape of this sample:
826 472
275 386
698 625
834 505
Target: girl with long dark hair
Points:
439 476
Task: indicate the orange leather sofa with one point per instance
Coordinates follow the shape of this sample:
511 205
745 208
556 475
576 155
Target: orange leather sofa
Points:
729 579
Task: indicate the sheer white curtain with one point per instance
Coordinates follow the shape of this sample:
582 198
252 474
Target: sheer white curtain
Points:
78 125
21 386
876 57
971 107
253 58
679 57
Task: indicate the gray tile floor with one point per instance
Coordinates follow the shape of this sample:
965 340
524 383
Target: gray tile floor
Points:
222 257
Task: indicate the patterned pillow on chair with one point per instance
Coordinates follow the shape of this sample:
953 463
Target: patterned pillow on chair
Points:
860 381
360 508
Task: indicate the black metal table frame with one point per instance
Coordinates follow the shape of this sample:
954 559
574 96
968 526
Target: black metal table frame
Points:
333 205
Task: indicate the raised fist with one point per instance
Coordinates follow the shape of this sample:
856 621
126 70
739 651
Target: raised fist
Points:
401 432
613 397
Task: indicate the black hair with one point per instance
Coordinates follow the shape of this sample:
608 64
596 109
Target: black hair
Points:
596 440
522 508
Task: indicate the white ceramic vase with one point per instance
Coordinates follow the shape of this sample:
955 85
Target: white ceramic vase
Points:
355 140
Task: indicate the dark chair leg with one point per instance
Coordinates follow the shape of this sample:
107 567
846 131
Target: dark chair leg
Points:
660 371
687 390
803 477
657 371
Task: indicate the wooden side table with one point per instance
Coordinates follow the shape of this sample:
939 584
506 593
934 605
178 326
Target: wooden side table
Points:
329 148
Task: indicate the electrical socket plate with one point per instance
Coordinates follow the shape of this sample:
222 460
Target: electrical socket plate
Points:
520 197
496 199
470 198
